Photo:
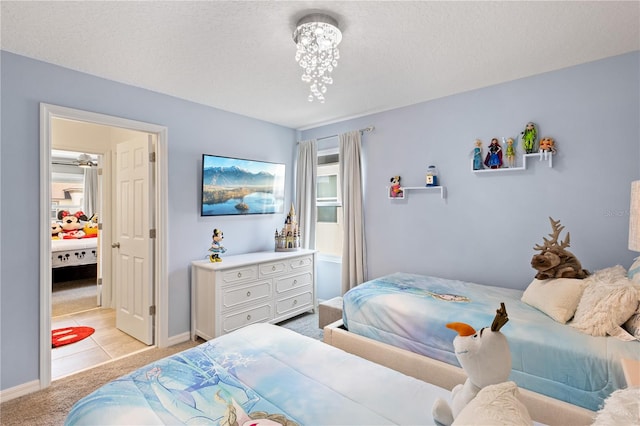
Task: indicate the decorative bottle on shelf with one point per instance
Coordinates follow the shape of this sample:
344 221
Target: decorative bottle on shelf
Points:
432 176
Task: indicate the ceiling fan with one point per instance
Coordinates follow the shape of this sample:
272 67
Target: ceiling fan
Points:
85 161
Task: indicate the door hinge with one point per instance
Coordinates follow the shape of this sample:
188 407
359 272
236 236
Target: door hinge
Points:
99 172
152 310
99 281
100 227
152 233
152 157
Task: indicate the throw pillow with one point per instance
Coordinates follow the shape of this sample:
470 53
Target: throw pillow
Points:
634 271
495 405
609 274
558 297
632 325
607 302
620 408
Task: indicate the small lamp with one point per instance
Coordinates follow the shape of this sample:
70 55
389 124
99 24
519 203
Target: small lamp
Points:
634 217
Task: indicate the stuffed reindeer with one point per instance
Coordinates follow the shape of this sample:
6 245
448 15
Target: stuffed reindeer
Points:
554 261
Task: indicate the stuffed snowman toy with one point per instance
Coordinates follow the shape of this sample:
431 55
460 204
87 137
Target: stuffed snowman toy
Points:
484 356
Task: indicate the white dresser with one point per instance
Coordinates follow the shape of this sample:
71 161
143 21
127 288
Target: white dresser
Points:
249 288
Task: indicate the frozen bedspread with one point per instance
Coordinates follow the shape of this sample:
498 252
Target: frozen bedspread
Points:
410 311
260 370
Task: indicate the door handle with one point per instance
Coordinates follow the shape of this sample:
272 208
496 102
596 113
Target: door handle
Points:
115 245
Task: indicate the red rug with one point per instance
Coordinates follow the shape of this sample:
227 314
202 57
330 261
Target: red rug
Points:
65 336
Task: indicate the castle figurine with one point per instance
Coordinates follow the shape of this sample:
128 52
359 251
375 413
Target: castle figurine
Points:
289 238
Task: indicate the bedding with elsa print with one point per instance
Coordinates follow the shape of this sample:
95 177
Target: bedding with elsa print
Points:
411 311
261 374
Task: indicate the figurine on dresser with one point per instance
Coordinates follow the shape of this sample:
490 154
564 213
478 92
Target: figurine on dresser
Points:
216 246
288 239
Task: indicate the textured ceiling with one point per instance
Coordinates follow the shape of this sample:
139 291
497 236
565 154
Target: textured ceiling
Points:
239 55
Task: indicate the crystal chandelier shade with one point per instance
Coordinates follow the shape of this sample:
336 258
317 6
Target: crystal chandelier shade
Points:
317 37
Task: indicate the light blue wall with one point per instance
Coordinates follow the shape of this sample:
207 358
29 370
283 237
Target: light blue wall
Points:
193 130
486 229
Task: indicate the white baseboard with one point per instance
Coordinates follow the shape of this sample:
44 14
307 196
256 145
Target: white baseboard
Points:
20 390
178 338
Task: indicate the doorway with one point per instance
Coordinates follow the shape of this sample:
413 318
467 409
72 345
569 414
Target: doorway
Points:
51 116
76 208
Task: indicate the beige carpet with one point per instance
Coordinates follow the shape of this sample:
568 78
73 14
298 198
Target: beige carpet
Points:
73 296
49 407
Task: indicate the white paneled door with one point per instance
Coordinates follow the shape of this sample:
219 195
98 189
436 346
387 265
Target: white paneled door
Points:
132 244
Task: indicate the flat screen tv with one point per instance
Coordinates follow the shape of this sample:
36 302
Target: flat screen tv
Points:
234 186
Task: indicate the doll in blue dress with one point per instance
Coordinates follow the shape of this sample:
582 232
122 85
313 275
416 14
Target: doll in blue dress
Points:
477 155
494 156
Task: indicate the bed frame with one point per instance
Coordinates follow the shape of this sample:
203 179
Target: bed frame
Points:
542 408
74 259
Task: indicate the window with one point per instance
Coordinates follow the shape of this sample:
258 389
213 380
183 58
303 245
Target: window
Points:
329 204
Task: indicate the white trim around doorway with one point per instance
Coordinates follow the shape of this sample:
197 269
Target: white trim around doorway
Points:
47 113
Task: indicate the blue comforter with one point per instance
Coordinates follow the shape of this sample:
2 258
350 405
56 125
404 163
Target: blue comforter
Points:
260 371
410 311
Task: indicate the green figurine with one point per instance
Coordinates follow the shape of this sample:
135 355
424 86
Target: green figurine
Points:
528 137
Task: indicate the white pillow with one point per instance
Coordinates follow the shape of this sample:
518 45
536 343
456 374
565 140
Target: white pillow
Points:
634 271
495 405
607 302
557 297
622 407
609 274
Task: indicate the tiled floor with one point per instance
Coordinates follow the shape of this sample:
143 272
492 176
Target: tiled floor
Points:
106 344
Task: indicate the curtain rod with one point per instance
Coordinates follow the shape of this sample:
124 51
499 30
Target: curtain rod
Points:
366 129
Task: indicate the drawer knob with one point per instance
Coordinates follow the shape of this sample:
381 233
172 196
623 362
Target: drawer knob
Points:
295 282
248 294
239 274
273 268
248 317
295 302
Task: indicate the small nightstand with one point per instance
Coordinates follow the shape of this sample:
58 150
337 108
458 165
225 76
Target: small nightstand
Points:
631 369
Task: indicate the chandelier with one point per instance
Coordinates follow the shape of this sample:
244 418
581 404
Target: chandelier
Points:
317 37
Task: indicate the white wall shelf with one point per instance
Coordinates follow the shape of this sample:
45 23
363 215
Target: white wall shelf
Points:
537 156
443 192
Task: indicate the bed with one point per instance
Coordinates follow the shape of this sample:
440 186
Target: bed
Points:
409 312
261 370
74 252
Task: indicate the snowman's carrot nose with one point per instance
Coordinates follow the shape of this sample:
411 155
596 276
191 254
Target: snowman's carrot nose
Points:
462 328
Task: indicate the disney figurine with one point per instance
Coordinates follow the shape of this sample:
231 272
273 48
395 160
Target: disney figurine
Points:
547 147
216 246
493 159
396 190
477 156
510 152
528 137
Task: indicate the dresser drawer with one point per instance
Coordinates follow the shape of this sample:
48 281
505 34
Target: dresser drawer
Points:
293 281
249 316
238 275
272 268
238 295
297 301
299 263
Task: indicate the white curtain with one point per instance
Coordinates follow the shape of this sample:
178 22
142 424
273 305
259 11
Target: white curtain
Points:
306 178
90 203
354 265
